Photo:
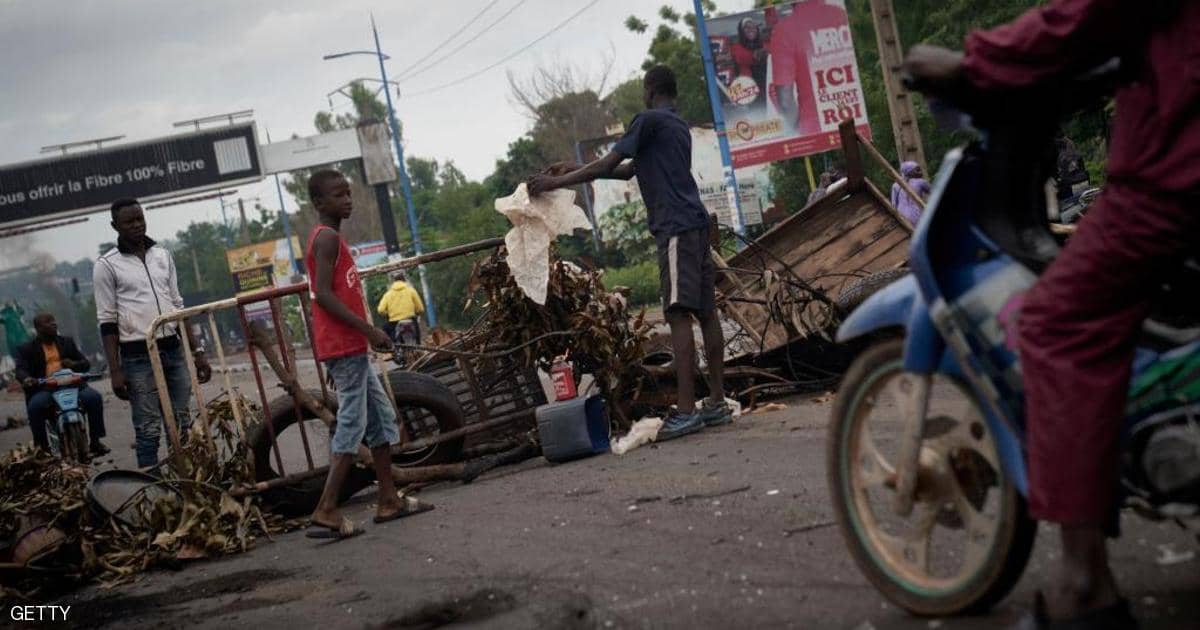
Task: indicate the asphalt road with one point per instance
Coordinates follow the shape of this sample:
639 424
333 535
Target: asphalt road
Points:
732 527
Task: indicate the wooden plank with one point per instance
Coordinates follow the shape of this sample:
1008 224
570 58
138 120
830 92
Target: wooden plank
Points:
885 202
839 255
795 256
737 310
854 167
895 256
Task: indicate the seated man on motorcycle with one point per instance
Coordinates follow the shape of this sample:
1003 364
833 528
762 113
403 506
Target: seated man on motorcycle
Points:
43 356
1078 324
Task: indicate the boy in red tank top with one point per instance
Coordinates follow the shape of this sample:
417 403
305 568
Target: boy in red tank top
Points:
341 336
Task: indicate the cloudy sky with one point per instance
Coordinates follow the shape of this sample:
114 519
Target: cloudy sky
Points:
79 69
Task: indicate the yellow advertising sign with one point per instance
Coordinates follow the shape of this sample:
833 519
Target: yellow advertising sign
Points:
250 262
273 253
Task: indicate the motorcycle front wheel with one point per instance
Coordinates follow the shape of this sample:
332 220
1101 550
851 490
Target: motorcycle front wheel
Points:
969 535
74 443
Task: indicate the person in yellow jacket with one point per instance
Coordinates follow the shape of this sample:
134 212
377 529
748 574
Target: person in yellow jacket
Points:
401 305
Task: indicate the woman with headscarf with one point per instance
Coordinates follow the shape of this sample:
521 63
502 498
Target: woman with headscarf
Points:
750 57
901 200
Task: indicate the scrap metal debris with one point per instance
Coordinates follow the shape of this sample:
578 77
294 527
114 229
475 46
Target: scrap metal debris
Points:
197 518
600 335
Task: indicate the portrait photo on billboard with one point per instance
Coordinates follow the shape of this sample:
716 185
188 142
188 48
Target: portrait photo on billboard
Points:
787 77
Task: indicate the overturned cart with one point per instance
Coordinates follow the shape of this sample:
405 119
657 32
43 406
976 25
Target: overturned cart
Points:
451 406
788 289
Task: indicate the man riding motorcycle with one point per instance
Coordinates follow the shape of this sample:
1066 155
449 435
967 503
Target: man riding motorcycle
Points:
1078 323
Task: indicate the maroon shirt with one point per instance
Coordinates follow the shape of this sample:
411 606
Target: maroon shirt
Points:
1156 131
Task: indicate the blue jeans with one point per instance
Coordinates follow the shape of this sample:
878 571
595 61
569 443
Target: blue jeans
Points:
143 398
364 410
40 408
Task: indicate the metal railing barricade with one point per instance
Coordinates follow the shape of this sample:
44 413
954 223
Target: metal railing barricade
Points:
287 357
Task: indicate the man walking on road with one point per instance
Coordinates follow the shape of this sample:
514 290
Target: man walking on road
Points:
659 143
135 282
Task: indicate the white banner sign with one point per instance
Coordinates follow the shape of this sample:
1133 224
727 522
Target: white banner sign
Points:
298 153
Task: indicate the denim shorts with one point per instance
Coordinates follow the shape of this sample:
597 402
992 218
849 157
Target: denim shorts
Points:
365 413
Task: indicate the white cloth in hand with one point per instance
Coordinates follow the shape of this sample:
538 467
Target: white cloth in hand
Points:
536 222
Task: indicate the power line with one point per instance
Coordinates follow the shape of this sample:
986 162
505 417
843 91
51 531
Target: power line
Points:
463 45
509 57
449 39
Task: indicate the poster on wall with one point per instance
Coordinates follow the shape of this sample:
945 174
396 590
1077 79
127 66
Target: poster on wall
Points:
787 77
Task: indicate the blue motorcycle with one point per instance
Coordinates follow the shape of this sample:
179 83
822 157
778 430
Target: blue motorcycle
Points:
66 431
926 455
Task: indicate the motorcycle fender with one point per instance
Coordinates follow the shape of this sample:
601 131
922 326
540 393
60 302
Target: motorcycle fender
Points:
888 308
1009 439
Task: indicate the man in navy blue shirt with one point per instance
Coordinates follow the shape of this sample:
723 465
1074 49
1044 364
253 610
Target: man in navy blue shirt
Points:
658 146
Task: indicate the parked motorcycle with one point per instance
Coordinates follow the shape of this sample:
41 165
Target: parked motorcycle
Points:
66 430
926 454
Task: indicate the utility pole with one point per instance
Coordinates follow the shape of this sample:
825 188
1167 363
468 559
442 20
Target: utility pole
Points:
245 225
405 184
196 270
731 190
900 105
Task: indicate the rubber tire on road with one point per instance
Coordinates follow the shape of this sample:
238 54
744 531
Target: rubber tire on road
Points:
1006 561
858 291
422 390
300 498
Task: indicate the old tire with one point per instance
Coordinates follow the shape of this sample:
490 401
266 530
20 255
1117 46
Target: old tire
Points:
301 497
989 569
427 407
858 291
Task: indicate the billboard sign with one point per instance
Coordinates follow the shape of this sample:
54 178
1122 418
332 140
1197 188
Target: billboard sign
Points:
165 167
787 76
252 279
298 153
273 254
369 254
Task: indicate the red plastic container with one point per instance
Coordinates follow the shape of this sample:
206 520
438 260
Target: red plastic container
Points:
563 377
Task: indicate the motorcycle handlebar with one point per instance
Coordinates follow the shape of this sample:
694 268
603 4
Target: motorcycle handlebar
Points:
74 379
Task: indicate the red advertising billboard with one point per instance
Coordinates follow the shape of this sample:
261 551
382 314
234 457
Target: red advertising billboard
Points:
787 77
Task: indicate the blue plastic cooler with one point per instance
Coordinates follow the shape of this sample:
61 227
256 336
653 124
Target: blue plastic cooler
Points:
571 429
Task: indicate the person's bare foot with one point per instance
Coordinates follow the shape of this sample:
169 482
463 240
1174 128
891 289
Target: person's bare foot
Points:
1073 595
1084 581
327 518
389 506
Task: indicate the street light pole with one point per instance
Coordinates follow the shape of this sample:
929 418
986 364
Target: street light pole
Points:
405 184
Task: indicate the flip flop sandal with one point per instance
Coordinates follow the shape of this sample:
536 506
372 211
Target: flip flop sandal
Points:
1114 617
325 532
411 506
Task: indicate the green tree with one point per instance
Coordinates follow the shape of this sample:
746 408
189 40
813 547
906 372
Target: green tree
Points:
674 45
523 159
626 231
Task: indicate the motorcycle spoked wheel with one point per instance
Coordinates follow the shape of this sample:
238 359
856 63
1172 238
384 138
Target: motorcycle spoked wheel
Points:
969 536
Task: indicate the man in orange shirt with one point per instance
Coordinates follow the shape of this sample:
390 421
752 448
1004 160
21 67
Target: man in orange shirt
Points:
43 356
